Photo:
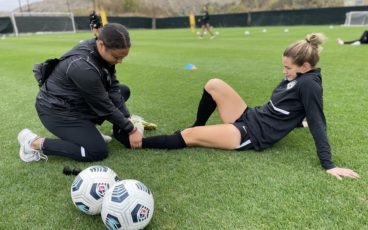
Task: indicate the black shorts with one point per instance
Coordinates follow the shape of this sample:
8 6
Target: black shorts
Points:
205 22
245 142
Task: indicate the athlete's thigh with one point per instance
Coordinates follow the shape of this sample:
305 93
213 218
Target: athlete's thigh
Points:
230 104
222 136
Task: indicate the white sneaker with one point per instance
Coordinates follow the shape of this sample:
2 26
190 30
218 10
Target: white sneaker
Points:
26 153
340 41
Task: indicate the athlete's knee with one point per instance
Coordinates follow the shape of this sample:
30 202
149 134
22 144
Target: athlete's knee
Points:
213 84
98 153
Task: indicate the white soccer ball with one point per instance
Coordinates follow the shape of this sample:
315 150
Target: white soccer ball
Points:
89 187
128 204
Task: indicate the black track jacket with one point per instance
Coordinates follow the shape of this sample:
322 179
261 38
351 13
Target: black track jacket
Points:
83 86
290 102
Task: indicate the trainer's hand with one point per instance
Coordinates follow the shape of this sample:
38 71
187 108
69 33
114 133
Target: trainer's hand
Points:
135 140
339 173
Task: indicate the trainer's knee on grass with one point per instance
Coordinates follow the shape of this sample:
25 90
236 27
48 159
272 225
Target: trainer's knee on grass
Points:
97 154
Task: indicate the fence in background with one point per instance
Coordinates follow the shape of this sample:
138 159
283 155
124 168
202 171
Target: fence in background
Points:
318 16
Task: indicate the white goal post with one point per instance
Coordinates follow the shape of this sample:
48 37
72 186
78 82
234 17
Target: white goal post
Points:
356 18
37 22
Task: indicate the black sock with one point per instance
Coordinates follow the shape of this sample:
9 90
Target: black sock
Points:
205 108
174 141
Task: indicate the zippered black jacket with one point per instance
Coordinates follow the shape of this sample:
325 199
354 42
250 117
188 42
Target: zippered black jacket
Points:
290 103
83 86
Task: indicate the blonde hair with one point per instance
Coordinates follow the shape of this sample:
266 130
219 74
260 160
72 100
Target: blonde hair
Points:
306 50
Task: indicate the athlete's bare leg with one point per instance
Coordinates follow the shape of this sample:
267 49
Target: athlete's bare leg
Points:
222 136
229 103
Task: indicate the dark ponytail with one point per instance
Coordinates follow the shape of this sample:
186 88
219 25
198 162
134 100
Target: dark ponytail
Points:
115 36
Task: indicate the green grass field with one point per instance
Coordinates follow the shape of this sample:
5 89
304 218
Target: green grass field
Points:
283 187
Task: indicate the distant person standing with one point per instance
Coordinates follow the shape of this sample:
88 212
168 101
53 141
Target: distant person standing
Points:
205 23
362 40
95 23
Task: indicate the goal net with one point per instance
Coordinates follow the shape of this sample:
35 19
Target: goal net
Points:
356 18
32 22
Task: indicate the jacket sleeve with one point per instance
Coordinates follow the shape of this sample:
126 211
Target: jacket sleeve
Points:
114 91
311 94
88 81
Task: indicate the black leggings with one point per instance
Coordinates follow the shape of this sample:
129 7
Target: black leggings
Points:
78 139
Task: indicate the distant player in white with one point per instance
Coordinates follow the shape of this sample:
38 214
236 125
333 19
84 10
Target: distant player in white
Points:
362 40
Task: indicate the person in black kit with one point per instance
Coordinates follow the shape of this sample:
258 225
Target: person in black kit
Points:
298 95
95 23
82 92
205 23
362 40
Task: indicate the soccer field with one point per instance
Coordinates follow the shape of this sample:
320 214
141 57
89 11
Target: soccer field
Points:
283 187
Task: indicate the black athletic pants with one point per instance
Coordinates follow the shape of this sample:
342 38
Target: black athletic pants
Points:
78 139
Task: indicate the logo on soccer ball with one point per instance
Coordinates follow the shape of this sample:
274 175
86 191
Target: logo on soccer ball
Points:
98 190
140 213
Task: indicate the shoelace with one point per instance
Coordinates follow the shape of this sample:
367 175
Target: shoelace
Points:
41 156
38 153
